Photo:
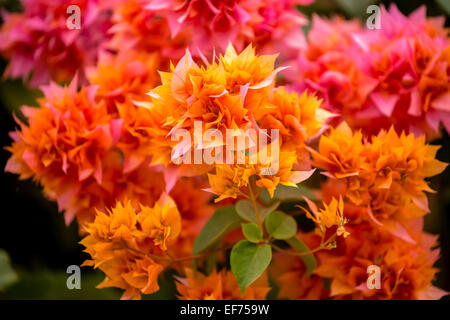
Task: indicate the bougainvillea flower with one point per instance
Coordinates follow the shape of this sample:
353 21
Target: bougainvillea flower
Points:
298 118
218 286
68 134
328 66
208 25
125 77
133 22
386 175
162 223
340 152
122 81
123 241
234 93
232 181
69 147
331 215
294 283
179 113
406 270
216 23
39 41
394 75
134 275
408 59
215 94
406 160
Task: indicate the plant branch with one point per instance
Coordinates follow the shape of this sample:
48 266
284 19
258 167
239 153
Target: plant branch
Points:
255 205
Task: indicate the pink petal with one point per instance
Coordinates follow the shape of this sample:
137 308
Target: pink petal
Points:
415 108
312 206
431 293
132 162
385 103
442 102
433 119
398 230
157 5
422 203
171 176
174 25
116 128
243 92
445 118
300 176
12 166
30 159
268 81
84 173
68 217
242 15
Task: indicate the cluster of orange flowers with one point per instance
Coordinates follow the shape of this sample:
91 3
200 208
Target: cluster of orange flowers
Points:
235 93
123 242
382 182
70 147
105 154
385 176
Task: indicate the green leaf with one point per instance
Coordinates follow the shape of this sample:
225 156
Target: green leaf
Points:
445 5
7 275
309 259
210 263
245 209
281 226
252 232
264 212
287 193
223 220
248 261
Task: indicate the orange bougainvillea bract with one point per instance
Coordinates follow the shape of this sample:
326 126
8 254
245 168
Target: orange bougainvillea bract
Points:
212 145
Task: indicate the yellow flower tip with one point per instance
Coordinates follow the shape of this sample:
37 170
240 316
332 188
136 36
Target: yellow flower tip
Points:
331 215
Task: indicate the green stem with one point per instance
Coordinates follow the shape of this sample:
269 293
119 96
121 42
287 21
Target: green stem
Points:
255 205
299 254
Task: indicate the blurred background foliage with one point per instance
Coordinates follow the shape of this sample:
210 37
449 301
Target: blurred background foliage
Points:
36 247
